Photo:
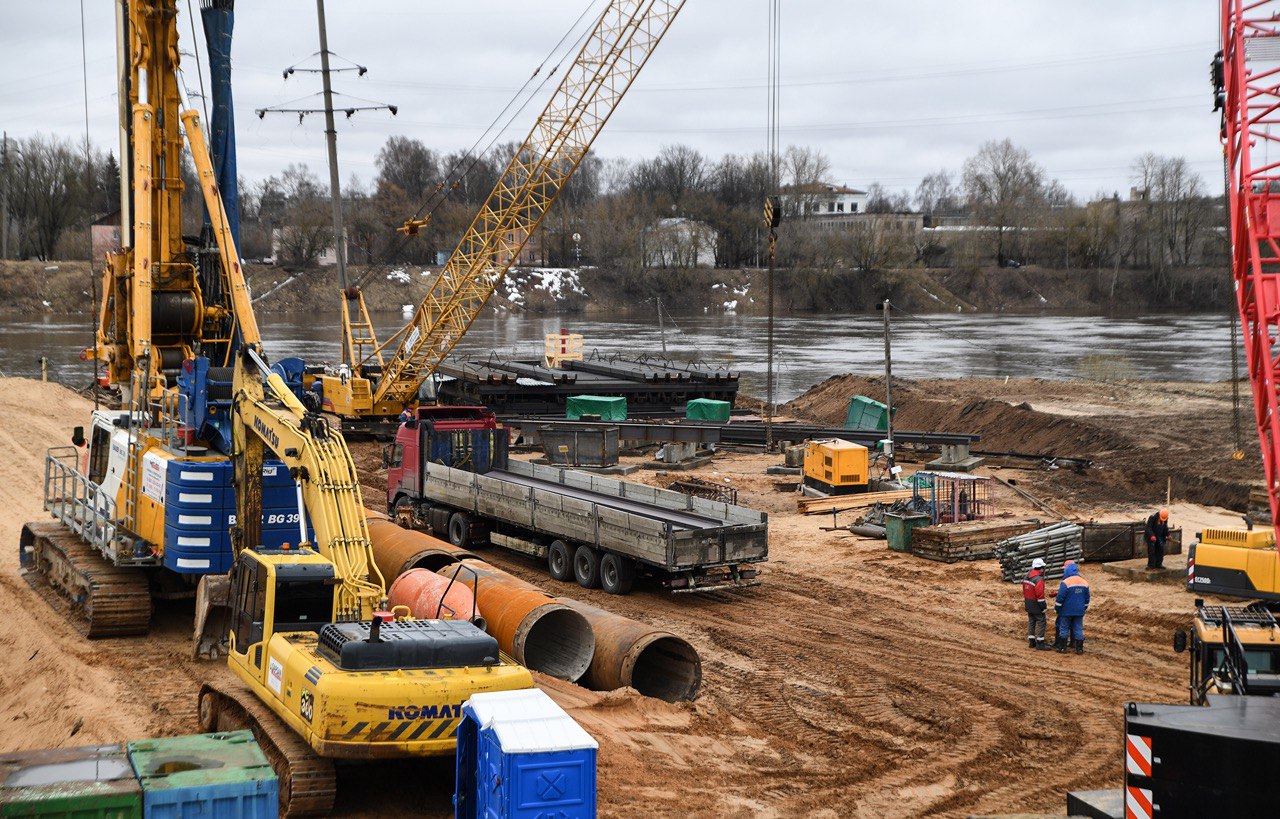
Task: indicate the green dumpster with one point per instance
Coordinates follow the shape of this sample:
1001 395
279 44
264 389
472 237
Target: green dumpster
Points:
609 408
93 782
707 409
897 529
866 413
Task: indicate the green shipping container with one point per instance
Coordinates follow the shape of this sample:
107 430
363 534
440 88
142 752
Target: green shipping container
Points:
866 413
609 408
708 409
93 782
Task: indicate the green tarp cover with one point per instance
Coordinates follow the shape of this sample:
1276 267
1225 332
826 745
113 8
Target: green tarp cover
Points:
707 409
609 408
866 413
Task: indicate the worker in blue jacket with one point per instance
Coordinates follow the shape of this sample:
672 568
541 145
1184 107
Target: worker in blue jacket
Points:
1072 601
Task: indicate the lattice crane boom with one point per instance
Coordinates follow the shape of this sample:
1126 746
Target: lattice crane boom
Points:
1247 89
624 37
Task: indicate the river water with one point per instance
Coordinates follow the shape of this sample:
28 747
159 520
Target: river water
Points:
808 348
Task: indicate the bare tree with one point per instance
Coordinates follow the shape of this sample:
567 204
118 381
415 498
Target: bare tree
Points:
409 165
938 194
1005 187
881 200
46 192
308 228
806 172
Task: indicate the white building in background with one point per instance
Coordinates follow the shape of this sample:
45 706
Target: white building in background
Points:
823 199
679 242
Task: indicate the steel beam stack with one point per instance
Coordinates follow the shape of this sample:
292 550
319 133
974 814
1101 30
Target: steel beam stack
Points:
1056 544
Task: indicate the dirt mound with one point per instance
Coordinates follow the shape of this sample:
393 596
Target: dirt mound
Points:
929 407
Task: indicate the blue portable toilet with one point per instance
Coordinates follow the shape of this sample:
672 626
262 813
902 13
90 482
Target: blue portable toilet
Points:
520 756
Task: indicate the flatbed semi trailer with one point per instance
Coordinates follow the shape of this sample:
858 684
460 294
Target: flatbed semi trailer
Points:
449 470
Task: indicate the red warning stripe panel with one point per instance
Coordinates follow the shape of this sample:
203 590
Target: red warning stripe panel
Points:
1137 755
1137 803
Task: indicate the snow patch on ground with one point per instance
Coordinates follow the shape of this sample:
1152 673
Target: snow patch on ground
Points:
556 282
731 306
398 275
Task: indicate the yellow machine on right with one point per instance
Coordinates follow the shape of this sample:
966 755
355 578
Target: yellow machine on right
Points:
1246 89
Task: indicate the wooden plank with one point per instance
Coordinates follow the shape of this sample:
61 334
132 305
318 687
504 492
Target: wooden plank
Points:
813 506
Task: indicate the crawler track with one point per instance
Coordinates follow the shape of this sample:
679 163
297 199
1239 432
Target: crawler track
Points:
99 598
308 784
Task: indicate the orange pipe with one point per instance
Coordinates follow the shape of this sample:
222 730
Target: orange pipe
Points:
430 596
530 625
396 550
630 654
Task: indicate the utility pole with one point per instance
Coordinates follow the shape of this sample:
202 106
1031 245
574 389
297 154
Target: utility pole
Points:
331 136
662 331
330 131
4 201
888 388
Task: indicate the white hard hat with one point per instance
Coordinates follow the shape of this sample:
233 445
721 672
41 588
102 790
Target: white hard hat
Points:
1038 563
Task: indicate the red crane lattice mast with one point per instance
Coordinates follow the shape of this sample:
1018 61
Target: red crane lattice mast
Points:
1246 76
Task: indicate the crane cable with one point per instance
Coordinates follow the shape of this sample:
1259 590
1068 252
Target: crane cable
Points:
445 187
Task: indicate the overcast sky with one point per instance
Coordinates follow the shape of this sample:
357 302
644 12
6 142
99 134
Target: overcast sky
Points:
888 90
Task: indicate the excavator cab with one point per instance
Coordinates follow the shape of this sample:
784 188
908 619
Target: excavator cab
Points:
277 590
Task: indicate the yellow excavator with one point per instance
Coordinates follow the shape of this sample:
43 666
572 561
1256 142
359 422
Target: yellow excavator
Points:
377 380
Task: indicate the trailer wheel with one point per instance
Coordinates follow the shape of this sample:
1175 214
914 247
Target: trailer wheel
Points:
586 567
559 561
617 573
460 530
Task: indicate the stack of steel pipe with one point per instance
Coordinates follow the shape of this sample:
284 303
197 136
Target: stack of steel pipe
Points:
559 636
1054 544
529 624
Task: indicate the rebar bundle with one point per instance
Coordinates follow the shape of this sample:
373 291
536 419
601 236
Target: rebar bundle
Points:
1054 544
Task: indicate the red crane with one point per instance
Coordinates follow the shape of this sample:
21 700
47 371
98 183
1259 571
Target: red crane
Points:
1246 87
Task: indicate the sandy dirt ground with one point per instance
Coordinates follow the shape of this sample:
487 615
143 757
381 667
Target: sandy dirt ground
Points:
853 682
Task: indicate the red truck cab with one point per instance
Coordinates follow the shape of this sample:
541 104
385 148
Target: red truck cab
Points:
436 428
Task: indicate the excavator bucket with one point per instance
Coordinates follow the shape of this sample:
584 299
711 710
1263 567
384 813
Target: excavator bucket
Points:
213 616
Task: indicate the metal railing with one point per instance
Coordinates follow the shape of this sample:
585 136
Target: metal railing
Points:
79 504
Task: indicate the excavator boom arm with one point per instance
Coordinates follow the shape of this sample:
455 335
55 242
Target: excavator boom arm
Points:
270 417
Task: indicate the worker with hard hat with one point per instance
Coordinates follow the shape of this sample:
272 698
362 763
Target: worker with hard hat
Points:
1072 602
1034 603
1157 532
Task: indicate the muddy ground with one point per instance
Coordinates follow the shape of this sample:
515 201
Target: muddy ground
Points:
853 682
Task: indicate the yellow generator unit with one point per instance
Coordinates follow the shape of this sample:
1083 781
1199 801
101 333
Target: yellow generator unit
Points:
836 467
1240 562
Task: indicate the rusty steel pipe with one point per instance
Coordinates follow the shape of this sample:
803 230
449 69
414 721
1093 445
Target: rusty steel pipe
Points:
651 660
542 633
396 550
530 625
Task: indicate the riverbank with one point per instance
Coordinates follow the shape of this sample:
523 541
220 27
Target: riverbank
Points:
62 288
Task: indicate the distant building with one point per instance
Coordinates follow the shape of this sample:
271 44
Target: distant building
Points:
822 199
105 236
678 242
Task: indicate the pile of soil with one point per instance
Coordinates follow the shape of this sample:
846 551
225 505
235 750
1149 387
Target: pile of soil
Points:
1139 435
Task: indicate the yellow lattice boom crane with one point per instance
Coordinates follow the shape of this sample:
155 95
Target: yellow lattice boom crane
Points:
382 378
